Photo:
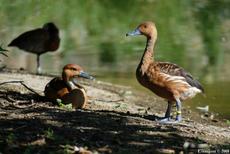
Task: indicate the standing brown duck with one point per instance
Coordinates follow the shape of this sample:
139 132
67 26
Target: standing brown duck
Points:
38 41
165 79
67 88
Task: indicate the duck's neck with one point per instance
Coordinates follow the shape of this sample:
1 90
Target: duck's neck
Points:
65 77
148 56
72 83
67 80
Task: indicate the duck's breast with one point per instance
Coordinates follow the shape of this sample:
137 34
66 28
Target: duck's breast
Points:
153 82
77 97
53 43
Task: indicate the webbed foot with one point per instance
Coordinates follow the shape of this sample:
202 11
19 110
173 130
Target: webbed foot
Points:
170 120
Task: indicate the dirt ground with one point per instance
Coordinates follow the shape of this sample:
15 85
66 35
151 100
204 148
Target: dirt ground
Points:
117 119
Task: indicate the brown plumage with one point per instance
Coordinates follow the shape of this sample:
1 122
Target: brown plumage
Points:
165 79
38 41
66 87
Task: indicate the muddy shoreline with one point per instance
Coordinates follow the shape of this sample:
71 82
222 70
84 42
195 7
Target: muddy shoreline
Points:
117 119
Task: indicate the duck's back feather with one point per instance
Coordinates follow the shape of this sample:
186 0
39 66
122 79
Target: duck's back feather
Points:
36 41
175 70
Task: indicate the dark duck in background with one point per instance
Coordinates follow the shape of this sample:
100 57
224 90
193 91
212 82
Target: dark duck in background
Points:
38 41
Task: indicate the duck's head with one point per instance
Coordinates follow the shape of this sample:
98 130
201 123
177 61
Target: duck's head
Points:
50 27
71 71
147 28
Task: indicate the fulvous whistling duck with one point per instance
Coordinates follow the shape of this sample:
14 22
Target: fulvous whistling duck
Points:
67 88
38 41
165 79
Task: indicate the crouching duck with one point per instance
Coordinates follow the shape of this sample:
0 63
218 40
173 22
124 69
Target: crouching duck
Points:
165 79
67 88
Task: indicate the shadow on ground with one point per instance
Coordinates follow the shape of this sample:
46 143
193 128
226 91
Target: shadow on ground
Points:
42 128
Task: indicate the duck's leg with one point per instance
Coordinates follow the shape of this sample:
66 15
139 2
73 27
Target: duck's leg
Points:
167 113
178 116
178 113
38 64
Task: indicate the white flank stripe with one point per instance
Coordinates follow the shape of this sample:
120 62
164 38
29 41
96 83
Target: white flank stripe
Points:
191 92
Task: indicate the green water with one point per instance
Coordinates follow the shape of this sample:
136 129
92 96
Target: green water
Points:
216 94
194 34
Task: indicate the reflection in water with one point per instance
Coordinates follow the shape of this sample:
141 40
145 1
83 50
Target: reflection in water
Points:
193 34
217 97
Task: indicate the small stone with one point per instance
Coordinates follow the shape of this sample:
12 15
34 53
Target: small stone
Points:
212 116
81 130
186 145
192 145
81 150
202 117
128 92
202 146
76 149
166 151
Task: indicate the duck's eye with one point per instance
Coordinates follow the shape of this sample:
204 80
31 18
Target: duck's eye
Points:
145 26
73 69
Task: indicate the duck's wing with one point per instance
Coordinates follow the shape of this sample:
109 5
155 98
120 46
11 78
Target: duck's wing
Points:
32 41
175 70
56 88
56 83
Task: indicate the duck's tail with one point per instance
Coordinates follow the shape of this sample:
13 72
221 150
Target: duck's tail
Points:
195 83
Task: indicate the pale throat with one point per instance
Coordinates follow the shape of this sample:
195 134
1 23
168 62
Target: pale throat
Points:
71 85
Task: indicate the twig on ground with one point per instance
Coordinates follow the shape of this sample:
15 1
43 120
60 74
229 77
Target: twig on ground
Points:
4 54
2 67
10 82
16 103
22 83
21 127
30 89
2 51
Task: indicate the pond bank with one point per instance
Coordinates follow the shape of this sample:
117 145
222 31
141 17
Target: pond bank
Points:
117 120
